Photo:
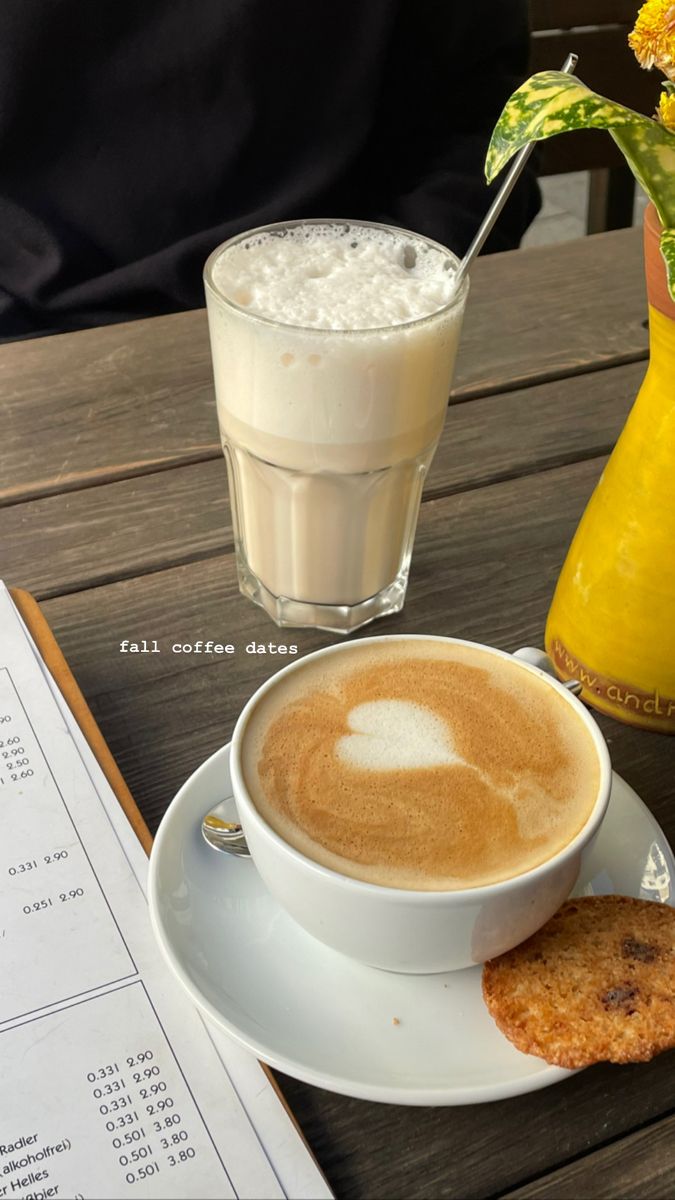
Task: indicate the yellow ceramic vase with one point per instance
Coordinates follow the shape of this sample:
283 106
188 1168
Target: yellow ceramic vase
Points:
612 620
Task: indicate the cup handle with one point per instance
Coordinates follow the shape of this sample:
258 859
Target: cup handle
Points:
539 658
536 658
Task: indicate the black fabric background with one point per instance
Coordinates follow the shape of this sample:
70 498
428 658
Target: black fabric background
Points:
135 135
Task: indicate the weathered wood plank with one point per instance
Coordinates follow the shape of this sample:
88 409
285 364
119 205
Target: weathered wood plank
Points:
80 539
124 400
471 1153
133 527
642 1164
551 311
108 403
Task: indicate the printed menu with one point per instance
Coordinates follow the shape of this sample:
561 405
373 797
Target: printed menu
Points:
111 1083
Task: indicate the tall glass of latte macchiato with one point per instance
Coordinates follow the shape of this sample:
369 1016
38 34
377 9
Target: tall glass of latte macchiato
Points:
418 803
333 348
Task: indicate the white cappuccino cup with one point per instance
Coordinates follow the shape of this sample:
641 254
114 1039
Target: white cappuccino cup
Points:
430 928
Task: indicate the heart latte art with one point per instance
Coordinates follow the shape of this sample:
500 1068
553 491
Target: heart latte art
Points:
420 764
388 735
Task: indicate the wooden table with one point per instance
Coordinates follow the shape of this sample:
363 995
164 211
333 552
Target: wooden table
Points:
117 518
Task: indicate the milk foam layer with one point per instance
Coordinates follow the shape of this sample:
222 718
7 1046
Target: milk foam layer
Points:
387 735
426 766
336 277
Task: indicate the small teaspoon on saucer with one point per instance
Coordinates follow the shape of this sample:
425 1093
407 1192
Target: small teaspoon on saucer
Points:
222 834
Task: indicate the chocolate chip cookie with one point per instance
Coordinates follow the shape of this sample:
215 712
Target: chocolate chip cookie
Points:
597 983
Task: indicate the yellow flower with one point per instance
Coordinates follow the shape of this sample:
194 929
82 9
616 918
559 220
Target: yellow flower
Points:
653 38
666 110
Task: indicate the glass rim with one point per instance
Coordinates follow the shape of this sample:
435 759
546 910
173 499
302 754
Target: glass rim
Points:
457 299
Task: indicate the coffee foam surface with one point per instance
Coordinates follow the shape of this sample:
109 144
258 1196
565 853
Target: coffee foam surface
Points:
387 735
336 277
426 766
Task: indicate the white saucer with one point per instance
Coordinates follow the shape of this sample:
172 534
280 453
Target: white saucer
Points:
309 1011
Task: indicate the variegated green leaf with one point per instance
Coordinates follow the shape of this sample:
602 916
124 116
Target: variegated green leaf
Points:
667 245
553 102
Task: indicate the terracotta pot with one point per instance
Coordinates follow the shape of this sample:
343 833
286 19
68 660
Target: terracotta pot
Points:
612 620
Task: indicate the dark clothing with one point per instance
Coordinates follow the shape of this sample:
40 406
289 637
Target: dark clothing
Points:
135 135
